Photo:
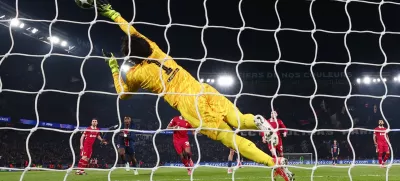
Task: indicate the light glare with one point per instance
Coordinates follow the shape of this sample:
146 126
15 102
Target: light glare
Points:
54 39
225 81
14 22
34 30
358 80
367 80
64 43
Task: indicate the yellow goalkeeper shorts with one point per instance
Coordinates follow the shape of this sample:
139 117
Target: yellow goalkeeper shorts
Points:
213 109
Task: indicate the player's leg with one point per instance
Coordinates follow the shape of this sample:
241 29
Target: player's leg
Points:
380 153
272 149
179 150
187 154
123 156
230 159
86 153
249 150
134 161
387 154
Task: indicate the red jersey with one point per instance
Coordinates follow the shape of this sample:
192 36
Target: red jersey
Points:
274 124
380 136
180 135
90 136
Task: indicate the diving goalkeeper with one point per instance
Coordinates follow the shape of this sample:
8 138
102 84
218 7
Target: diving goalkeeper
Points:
181 90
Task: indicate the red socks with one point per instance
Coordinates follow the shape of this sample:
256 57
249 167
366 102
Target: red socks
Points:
386 157
82 164
380 158
185 162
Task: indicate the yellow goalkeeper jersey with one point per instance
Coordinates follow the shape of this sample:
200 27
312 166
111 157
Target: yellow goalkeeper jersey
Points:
146 75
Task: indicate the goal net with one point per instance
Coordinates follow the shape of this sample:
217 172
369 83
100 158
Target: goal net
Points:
299 158
329 68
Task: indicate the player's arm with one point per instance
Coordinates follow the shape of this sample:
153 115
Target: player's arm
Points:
119 84
331 150
105 9
387 138
101 139
172 124
338 150
374 138
283 128
81 140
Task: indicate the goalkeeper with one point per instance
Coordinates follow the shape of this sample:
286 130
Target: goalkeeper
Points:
216 111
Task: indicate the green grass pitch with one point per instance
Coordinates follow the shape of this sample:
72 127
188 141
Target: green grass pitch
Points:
359 173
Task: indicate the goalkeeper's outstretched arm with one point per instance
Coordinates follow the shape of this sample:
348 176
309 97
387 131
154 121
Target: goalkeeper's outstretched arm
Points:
119 84
106 10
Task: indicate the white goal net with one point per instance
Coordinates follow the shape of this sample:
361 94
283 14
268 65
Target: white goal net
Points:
329 68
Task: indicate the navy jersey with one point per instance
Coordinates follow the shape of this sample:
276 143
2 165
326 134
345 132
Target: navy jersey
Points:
335 149
129 140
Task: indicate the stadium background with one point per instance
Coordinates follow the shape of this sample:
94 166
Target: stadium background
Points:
62 73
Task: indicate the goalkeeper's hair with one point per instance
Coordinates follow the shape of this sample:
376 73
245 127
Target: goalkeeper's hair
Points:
139 47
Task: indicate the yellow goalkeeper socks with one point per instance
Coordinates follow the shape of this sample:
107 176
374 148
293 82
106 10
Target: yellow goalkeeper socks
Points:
246 148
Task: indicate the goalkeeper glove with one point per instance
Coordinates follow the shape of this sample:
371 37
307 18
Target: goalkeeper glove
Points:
112 62
105 9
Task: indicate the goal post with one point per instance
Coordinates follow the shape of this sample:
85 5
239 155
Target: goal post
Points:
299 158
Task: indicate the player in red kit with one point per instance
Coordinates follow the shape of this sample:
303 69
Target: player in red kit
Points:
181 140
381 140
87 139
275 140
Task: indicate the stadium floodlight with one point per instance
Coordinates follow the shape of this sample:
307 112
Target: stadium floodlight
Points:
14 22
64 43
379 80
201 80
367 80
22 25
34 30
358 80
212 80
373 80
125 68
225 81
384 79
54 39
208 80
395 79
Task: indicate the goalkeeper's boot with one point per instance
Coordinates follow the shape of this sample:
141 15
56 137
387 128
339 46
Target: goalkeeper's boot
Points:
189 171
127 166
264 125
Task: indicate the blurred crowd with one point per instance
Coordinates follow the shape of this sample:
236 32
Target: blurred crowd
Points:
50 148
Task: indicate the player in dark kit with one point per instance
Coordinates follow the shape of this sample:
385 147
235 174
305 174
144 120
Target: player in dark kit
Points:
335 152
381 141
181 140
230 159
87 140
126 141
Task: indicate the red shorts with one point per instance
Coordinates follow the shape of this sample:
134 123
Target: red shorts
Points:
276 149
87 151
181 145
382 148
